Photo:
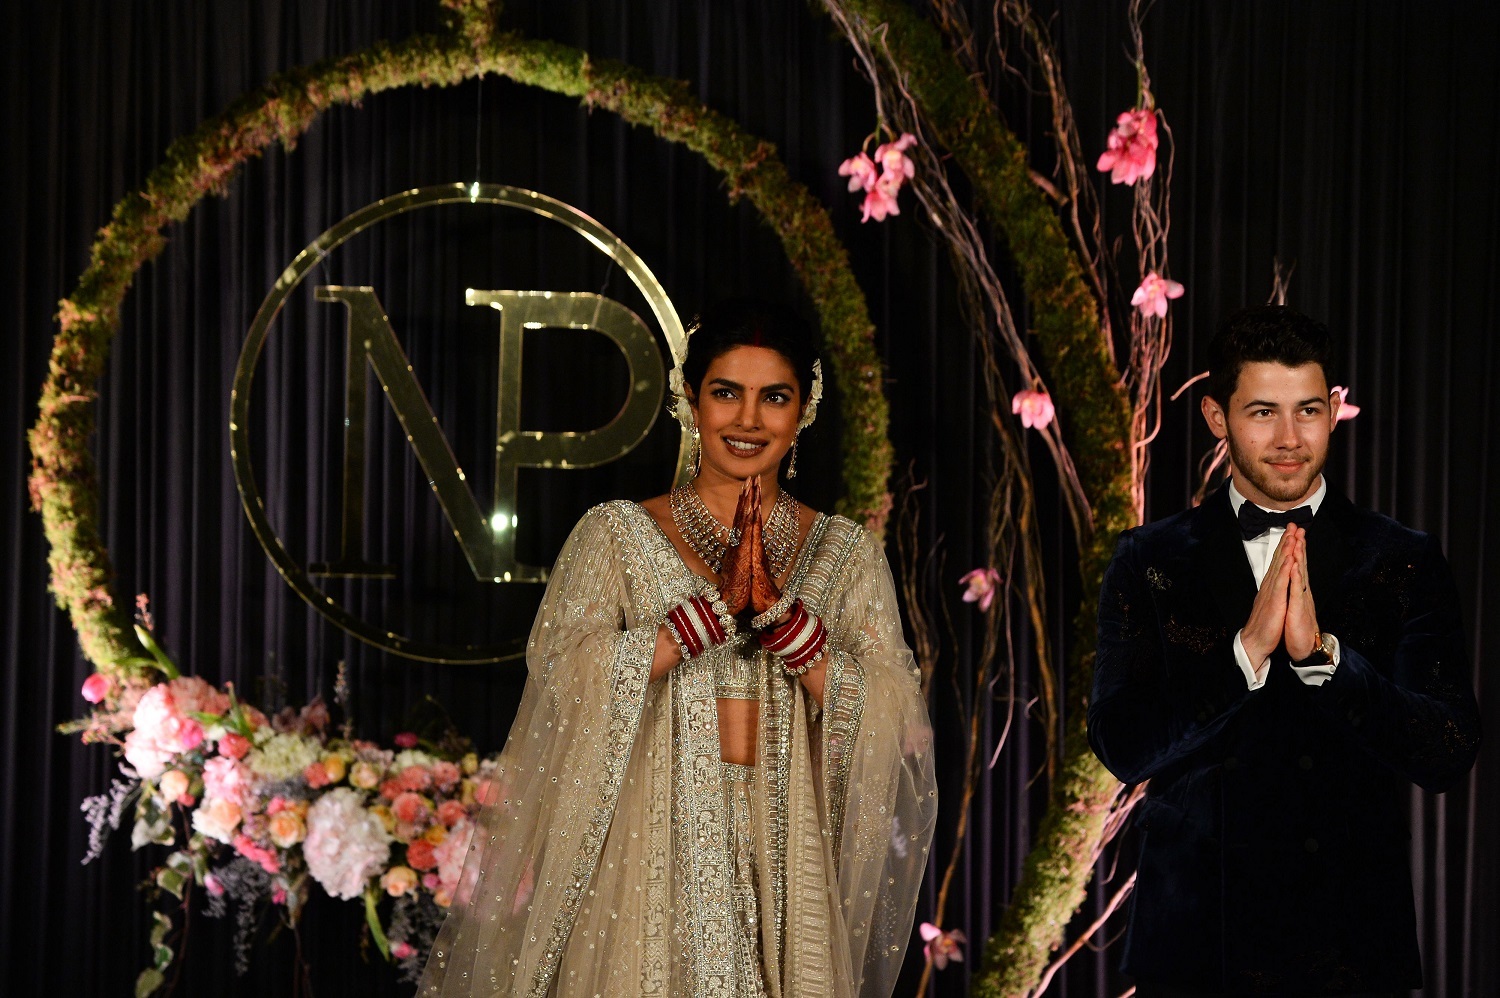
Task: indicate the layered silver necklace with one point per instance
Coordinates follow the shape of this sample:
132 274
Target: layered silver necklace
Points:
710 539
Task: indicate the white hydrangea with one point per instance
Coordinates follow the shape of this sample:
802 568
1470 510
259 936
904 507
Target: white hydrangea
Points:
412 757
284 756
346 844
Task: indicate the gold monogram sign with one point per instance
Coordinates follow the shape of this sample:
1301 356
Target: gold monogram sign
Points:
487 539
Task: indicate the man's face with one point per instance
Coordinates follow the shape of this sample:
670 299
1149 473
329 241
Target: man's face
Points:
1277 424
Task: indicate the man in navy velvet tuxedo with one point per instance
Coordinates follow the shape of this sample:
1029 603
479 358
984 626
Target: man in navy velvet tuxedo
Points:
1281 666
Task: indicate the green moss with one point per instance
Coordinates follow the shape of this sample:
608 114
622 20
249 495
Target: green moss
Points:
64 483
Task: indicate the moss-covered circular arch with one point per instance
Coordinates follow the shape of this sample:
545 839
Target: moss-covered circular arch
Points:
64 480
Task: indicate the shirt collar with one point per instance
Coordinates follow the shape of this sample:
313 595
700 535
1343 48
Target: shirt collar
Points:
1236 500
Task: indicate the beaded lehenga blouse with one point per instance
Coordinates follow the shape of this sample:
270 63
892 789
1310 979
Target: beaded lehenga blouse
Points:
622 857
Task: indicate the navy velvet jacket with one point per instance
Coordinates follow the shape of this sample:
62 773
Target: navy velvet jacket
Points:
1273 839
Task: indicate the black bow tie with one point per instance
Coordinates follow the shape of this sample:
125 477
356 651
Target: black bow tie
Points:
1255 521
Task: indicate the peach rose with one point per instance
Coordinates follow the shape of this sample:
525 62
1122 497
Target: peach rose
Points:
415 778
398 880
234 745
409 807
316 775
419 855
174 785
217 819
287 828
364 776
335 767
450 812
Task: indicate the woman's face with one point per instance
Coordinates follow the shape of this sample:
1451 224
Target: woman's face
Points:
748 407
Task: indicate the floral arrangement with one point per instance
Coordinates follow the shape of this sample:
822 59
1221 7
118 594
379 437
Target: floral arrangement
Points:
258 810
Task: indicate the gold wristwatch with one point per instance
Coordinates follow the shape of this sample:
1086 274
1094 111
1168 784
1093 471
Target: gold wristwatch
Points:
1322 653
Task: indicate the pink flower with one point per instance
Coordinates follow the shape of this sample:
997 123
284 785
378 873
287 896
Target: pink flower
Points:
279 896
406 739
226 779
450 854
316 775
524 888
346 844
419 855
1151 297
213 885
401 949
217 819
942 946
247 848
409 807
97 687
174 785
162 730
1347 409
895 166
446 775
287 828
981 583
234 746
860 170
415 778
879 202
1034 407
451 812
1130 154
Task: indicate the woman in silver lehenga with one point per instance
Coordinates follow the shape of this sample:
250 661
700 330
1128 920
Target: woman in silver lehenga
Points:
720 779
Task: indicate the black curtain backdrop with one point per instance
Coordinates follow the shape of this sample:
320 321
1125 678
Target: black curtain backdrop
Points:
1354 140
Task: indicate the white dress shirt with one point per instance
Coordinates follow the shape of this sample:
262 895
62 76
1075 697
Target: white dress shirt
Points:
1260 551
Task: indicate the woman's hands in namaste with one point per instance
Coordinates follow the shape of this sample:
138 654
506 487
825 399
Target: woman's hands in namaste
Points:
745 578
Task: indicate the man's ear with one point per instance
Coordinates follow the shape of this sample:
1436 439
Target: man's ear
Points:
1213 415
1334 401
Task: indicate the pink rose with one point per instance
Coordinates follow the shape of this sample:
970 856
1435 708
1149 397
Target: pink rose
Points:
391 789
981 584
401 949
213 885
409 807
278 896
1151 297
419 855
316 775
234 746
451 812
97 687
1130 153
942 946
415 778
860 170
446 775
1034 408
1347 409
162 728
406 739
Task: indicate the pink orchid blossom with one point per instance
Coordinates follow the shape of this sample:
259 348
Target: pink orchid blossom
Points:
895 166
879 202
1151 297
1131 151
860 170
981 583
1034 407
942 946
97 687
401 949
1347 409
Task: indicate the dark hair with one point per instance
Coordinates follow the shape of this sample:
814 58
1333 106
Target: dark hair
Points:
740 322
1265 333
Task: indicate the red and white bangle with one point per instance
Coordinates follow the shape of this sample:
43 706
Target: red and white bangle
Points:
799 642
696 626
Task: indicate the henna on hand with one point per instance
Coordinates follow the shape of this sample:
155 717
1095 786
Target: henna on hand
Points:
737 573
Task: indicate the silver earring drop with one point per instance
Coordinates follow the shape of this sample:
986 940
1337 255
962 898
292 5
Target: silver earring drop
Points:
695 452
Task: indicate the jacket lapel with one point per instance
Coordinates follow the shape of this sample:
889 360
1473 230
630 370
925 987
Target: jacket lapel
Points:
1220 559
1329 555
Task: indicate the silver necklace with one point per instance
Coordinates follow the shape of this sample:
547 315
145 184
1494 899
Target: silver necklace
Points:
711 539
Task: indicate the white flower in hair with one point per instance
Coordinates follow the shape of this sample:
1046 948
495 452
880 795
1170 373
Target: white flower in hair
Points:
813 397
680 407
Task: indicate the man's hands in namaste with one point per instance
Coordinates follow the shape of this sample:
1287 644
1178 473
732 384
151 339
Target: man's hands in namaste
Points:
1283 612
745 578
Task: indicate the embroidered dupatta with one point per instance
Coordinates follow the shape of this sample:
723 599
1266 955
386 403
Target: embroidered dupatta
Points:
600 867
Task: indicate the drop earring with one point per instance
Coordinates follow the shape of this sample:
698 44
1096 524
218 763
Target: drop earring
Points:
695 452
791 468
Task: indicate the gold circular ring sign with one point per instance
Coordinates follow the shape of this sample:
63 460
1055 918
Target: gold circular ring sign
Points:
487 540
